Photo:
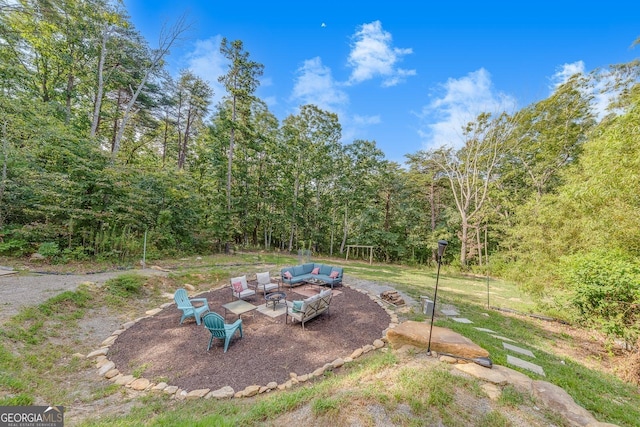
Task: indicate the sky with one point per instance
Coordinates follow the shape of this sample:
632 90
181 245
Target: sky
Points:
405 74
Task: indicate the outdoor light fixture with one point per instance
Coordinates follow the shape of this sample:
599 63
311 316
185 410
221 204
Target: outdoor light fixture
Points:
442 245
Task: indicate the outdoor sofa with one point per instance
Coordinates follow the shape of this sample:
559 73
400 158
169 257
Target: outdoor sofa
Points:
307 309
299 274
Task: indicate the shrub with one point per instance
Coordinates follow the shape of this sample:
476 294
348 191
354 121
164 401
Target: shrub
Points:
125 285
49 249
605 288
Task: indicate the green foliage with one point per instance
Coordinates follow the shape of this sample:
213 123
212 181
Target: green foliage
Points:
606 291
49 249
14 247
127 285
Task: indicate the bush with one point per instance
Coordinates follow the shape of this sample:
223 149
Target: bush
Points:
125 285
14 247
605 288
49 249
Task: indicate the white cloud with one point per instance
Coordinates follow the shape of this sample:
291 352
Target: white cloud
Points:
564 73
463 100
314 84
208 63
372 54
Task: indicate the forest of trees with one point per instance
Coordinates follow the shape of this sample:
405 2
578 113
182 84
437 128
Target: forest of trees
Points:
100 146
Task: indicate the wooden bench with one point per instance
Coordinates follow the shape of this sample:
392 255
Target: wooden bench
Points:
311 307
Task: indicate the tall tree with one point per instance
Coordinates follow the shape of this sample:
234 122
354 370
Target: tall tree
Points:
193 99
240 82
470 170
168 37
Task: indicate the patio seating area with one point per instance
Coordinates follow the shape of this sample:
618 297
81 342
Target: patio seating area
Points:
267 349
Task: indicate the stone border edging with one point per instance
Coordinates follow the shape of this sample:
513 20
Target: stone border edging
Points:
107 368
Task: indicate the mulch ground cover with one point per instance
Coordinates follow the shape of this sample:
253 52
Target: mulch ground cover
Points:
160 349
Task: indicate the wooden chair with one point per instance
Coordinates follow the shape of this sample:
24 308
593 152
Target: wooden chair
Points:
186 305
220 330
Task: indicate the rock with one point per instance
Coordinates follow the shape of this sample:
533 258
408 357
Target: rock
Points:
222 393
448 359
197 394
37 257
109 341
140 384
128 325
303 378
367 348
101 361
493 391
272 385
357 353
378 343
100 352
160 386
517 379
106 368
111 374
443 340
559 401
337 363
152 312
189 287
251 390
170 389
125 379
482 373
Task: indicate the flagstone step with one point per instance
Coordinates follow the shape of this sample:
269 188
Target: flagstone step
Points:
518 349
515 361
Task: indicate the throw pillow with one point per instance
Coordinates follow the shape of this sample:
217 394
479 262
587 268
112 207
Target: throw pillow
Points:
297 306
237 287
287 275
315 270
334 274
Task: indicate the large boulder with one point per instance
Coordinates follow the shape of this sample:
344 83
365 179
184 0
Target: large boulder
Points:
443 340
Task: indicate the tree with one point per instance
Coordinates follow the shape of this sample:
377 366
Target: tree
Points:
241 81
168 37
193 98
470 170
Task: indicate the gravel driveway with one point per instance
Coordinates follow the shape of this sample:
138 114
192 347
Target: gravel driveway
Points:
19 290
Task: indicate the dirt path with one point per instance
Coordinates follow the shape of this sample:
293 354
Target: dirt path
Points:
20 290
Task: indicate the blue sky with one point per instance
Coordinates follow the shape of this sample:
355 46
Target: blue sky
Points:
405 74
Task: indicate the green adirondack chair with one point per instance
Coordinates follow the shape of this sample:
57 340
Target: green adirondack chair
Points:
215 324
186 305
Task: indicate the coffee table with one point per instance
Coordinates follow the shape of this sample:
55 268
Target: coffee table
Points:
274 298
238 307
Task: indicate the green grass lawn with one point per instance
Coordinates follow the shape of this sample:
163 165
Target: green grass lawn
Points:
35 362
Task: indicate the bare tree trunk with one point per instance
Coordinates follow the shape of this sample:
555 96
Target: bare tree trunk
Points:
97 106
3 180
344 233
167 39
230 160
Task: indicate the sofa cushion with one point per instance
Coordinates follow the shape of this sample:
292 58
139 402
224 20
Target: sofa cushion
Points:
325 269
298 270
297 306
307 267
316 270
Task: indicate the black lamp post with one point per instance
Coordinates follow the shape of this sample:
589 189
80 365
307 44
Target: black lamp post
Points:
442 245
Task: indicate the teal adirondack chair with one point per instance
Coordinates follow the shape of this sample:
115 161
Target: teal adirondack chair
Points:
215 324
186 305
